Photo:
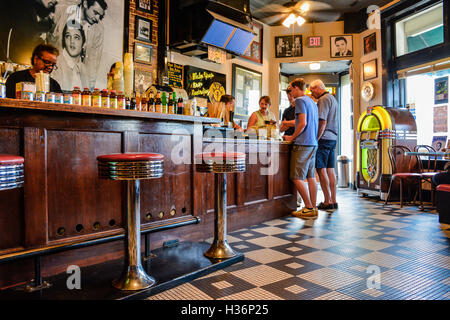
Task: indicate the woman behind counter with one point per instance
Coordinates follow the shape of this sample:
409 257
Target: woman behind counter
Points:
263 116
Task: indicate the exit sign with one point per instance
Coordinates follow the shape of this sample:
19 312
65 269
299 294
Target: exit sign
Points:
314 42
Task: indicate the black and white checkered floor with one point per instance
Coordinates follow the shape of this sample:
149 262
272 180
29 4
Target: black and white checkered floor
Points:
363 251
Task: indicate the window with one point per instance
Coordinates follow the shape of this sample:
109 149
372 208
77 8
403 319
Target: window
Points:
419 31
427 95
284 101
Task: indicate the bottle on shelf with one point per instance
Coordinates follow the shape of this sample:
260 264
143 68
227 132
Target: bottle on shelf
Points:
138 98
127 103
105 98
144 102
170 107
86 97
180 106
76 94
113 100
158 106
133 105
151 103
121 103
163 102
96 98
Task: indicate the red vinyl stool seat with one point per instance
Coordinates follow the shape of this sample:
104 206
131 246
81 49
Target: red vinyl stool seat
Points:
220 164
443 202
132 167
11 172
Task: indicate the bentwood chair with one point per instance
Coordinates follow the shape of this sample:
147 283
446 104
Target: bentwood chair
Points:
405 170
431 169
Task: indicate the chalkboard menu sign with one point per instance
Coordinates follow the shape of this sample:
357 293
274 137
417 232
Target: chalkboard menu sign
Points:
175 74
204 83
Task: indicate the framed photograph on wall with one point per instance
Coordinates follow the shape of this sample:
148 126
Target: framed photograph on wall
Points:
370 43
254 51
144 5
288 46
370 70
247 88
143 53
23 25
143 29
341 46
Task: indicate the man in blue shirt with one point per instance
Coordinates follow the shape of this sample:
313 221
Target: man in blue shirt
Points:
303 155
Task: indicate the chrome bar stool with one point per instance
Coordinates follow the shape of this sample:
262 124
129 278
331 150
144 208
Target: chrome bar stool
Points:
11 172
220 164
132 167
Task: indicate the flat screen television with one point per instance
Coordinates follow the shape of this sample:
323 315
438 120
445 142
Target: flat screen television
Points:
240 41
228 37
218 34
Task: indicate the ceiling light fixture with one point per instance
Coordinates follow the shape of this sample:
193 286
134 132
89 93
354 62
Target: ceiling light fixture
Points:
291 19
314 66
305 7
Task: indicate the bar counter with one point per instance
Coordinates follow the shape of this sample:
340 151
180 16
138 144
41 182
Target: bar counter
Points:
64 202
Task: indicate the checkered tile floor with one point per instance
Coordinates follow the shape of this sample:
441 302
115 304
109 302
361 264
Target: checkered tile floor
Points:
363 251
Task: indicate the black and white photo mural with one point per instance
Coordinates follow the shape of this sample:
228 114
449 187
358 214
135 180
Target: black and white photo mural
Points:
89 35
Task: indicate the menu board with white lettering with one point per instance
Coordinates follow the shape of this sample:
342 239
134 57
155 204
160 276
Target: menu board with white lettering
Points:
204 83
175 74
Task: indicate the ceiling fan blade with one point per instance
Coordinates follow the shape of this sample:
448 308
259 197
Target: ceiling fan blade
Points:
322 16
273 7
274 19
313 6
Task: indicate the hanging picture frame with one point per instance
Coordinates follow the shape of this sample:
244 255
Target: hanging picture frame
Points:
247 89
145 6
288 46
143 53
254 52
143 29
370 70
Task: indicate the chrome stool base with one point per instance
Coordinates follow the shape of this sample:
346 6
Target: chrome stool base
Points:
220 165
132 168
134 278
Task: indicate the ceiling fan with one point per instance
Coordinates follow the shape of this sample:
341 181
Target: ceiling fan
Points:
311 11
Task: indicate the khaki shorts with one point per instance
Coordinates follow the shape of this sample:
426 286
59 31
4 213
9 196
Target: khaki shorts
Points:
303 161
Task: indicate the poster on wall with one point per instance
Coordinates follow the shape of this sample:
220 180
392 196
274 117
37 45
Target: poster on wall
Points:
440 115
175 74
439 142
89 36
204 83
441 90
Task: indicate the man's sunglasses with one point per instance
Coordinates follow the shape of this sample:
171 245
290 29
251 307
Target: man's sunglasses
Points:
48 63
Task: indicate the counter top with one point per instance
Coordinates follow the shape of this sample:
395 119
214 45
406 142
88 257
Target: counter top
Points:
45 106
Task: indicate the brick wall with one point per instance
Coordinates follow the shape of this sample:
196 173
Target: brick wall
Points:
154 18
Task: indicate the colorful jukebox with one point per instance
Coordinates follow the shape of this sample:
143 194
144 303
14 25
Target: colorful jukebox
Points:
378 129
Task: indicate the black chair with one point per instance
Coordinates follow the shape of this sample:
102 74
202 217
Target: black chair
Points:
431 169
405 170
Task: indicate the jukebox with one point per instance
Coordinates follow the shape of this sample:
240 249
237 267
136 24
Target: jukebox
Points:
378 129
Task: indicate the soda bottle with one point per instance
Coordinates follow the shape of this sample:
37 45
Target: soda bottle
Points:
151 103
158 106
180 106
144 102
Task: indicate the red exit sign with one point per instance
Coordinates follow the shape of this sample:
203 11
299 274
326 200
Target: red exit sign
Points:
314 42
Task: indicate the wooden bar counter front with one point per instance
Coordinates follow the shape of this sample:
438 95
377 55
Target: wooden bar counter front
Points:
64 202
